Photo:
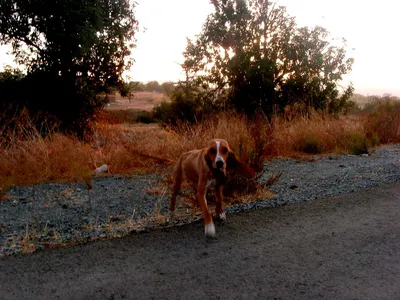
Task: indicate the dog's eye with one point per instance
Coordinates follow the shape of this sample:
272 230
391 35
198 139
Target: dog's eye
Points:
213 151
224 150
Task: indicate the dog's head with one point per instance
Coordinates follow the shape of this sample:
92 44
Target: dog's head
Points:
219 157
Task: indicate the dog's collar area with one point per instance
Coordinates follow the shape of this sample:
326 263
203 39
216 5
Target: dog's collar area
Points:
218 170
219 175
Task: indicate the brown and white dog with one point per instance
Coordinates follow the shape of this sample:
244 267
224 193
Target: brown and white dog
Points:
204 168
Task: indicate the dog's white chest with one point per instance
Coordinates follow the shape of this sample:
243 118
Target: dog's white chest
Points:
210 183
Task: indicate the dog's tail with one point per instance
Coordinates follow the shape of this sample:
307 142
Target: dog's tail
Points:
177 183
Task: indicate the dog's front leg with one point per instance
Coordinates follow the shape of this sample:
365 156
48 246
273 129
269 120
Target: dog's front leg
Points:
219 211
209 228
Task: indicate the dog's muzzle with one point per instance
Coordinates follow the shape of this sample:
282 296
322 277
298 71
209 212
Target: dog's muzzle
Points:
219 164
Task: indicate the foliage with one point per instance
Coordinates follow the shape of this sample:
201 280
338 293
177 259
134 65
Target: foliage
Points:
255 51
10 80
358 144
137 86
14 118
71 50
188 104
309 144
374 103
152 86
167 87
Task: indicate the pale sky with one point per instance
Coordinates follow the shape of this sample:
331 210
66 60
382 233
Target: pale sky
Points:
370 28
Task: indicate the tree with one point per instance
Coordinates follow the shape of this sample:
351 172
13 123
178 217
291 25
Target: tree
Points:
153 86
137 86
254 50
167 87
72 50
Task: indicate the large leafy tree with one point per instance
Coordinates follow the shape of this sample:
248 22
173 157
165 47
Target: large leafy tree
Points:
254 51
72 50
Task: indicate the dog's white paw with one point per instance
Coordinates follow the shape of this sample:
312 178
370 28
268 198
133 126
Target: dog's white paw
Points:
209 230
222 216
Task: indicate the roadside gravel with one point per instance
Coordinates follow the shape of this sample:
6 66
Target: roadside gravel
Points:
58 214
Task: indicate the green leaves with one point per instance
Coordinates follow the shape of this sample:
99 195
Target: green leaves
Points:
255 51
81 46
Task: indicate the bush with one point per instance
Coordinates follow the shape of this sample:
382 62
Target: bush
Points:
145 117
375 140
309 144
45 97
187 105
357 144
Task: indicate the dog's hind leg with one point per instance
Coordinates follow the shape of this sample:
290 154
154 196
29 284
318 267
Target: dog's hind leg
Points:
177 184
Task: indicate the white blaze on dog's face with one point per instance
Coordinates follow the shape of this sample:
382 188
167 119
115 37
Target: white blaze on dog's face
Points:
218 153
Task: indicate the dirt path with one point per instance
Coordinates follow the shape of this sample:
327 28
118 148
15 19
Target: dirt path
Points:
340 248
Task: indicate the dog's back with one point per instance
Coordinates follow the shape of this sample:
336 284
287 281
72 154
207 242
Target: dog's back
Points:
188 167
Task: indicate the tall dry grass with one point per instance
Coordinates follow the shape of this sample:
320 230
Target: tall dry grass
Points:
382 123
318 133
125 147
27 157
248 137
55 158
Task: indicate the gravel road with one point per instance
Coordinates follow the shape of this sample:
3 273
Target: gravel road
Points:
55 214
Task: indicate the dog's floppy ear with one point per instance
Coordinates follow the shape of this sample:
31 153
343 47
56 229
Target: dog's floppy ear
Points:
207 158
233 162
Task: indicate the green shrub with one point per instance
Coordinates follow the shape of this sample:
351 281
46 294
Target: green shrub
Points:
145 117
187 105
374 140
309 144
357 144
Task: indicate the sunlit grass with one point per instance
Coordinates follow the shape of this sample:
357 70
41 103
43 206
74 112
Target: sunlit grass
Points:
131 148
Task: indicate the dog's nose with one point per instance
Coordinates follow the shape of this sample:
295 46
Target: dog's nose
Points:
220 164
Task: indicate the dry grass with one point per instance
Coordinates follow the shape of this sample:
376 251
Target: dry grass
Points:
382 124
316 134
249 138
56 158
124 147
129 148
